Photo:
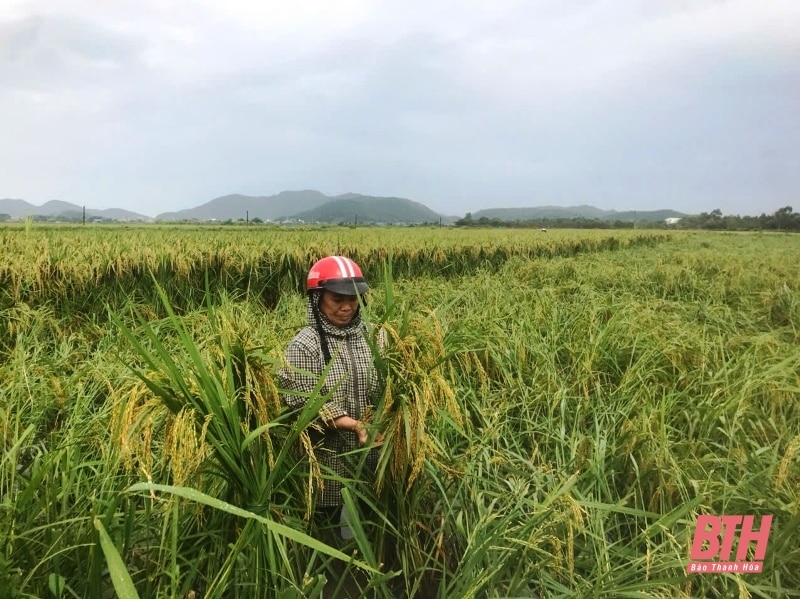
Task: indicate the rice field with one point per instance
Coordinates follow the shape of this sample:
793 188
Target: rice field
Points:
558 410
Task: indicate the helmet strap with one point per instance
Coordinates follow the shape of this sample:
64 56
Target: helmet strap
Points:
323 338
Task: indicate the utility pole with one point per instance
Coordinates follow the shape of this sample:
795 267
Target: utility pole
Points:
356 219
247 217
84 215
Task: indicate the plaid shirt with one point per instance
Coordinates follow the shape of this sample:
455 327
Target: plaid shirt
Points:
354 381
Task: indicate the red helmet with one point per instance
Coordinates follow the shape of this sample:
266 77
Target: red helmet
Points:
337 274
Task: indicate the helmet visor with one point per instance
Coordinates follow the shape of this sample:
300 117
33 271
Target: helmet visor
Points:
347 286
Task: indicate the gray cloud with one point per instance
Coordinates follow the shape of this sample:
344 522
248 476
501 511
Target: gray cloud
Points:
624 105
45 52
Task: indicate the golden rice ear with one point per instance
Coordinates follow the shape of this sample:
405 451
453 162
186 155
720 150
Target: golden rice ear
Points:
184 446
383 340
133 420
783 468
315 482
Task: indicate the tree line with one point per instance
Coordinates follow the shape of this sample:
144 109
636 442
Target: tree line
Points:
578 222
783 219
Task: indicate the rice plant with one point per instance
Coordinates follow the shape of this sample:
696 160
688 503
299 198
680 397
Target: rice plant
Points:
555 416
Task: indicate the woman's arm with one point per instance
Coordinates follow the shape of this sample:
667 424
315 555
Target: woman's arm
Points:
297 374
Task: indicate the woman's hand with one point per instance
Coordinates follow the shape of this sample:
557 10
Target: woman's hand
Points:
345 423
361 430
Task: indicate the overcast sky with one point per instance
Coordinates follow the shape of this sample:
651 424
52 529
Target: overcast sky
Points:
157 105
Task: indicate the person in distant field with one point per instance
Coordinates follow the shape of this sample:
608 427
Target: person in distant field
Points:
335 335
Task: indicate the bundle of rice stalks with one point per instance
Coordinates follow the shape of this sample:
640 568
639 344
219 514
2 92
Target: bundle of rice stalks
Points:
220 398
412 362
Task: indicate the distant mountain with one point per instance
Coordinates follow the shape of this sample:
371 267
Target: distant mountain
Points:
645 215
314 206
582 211
57 208
353 207
16 208
240 206
120 214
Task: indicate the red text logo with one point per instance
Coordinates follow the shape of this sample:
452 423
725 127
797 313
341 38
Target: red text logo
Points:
714 541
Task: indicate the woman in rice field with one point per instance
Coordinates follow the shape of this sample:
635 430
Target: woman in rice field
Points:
335 336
